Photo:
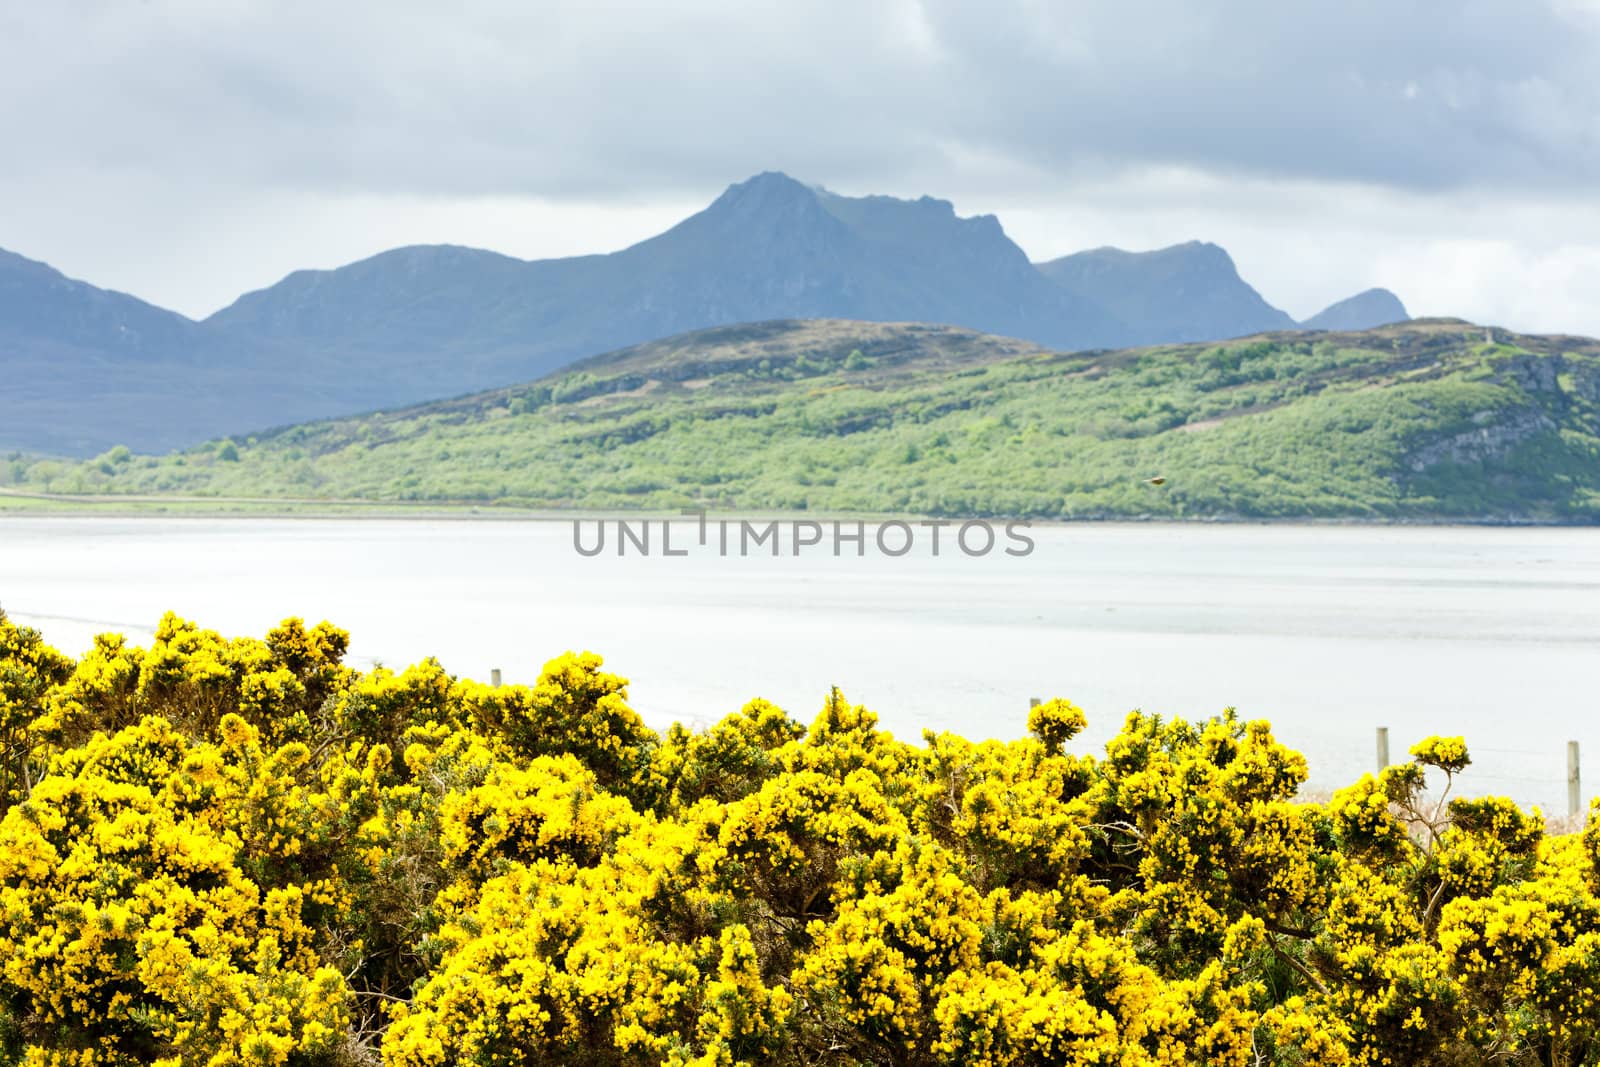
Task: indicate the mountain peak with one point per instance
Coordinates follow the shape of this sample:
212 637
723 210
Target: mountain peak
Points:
769 188
1201 252
1185 292
774 247
1203 255
1369 308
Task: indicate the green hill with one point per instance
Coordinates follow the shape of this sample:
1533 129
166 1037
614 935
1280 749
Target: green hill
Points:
1432 419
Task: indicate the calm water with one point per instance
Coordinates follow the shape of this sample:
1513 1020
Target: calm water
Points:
1328 632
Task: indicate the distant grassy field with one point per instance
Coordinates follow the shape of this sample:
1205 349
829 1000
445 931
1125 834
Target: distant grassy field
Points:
1429 420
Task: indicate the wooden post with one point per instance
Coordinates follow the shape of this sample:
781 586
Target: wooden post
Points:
1383 748
1574 785
494 676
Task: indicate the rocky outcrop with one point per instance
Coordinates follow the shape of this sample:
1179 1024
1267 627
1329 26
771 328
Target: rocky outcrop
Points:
1535 373
1491 440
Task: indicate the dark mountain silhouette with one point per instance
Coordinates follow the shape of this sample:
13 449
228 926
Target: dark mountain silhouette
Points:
1189 292
85 368
767 248
41 307
1375 307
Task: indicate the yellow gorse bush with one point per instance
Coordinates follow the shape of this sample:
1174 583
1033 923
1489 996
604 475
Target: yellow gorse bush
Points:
225 851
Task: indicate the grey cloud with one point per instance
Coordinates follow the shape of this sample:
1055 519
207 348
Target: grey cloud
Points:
628 99
1407 94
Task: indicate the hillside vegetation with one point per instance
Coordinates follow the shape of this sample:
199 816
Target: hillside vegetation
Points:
242 852
1424 420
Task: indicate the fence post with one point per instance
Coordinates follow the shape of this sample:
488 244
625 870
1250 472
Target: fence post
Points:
1383 748
494 676
1574 785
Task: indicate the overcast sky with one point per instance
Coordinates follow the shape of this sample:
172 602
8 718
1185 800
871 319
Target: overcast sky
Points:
189 150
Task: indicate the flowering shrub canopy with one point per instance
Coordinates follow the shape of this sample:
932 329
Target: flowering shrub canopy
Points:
237 851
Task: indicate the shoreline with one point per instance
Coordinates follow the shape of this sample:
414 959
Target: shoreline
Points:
35 506
25 503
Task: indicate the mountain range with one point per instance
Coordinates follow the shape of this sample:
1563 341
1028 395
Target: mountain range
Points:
86 368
